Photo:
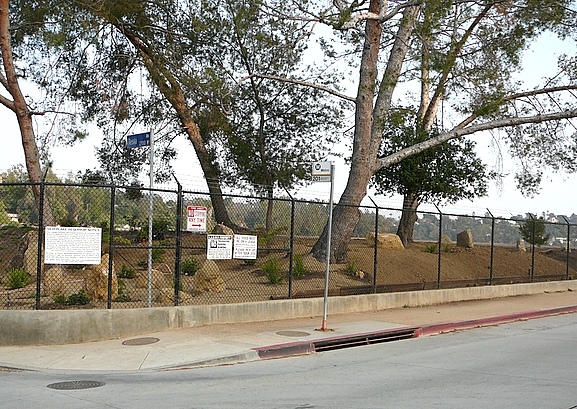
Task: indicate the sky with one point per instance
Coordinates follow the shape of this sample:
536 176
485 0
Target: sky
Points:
557 194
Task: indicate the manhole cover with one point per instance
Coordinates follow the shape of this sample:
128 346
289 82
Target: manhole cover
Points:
72 385
140 341
293 333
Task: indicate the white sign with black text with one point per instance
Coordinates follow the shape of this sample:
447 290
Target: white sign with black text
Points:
72 245
218 247
245 247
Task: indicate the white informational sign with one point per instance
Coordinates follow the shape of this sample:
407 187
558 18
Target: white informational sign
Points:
321 172
245 246
196 218
72 245
218 247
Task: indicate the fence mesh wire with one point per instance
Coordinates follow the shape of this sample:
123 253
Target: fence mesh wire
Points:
149 258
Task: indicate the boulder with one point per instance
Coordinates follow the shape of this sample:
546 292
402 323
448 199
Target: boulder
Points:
209 279
97 281
445 241
222 229
465 239
53 281
165 296
385 241
521 245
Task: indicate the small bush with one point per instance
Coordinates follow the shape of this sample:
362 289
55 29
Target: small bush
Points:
122 292
447 248
431 248
142 264
80 298
189 266
17 278
299 268
272 270
157 255
123 241
126 272
351 268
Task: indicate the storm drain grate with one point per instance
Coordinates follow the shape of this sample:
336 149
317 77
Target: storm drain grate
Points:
293 333
73 385
140 341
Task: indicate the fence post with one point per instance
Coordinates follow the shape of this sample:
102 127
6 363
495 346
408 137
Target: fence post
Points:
40 239
178 244
111 244
376 247
439 242
568 249
533 233
291 245
492 247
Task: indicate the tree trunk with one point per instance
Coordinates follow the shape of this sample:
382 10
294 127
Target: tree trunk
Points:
369 127
171 89
408 218
20 108
269 208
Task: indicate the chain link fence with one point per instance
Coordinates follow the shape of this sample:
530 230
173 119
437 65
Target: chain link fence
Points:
149 258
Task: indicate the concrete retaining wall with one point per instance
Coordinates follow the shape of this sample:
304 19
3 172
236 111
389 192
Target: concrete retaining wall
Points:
73 326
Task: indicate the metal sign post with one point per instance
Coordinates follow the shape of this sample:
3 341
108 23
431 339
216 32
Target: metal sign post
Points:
135 141
325 172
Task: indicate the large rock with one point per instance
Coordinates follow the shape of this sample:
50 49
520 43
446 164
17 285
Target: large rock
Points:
165 296
222 229
521 245
445 241
385 241
97 281
465 239
53 281
209 279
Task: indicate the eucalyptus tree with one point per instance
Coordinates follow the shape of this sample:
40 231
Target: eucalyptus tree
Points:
471 49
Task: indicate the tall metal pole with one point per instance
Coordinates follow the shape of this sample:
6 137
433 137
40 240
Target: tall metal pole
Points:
150 209
328 260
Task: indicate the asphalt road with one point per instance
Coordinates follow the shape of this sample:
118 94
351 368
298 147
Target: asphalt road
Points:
529 364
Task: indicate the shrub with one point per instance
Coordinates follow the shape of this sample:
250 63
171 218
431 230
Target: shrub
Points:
17 278
126 272
80 298
122 292
272 270
533 231
189 266
299 268
431 248
351 268
157 255
123 241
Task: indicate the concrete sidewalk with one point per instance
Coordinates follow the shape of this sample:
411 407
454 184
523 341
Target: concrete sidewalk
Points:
234 343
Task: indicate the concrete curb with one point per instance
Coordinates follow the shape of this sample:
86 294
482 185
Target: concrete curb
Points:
344 341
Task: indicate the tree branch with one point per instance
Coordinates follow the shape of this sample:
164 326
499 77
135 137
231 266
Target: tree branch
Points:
299 82
461 130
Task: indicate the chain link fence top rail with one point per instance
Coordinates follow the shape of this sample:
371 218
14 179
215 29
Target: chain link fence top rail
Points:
446 250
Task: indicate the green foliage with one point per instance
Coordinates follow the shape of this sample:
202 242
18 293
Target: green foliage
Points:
272 270
17 278
79 298
123 241
533 231
431 248
351 268
157 255
69 223
123 295
126 272
299 268
190 266
265 237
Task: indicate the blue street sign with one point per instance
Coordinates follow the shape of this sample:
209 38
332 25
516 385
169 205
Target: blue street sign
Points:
137 140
